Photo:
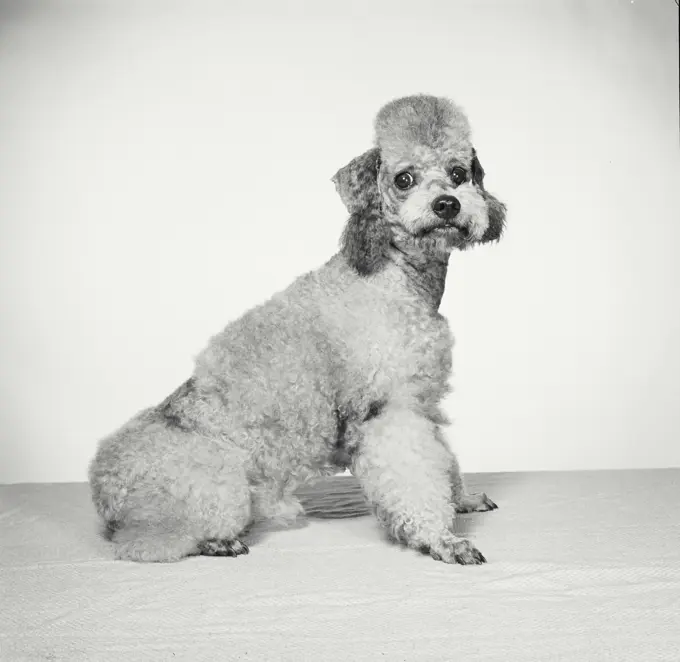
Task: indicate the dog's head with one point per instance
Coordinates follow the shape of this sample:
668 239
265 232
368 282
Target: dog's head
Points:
422 183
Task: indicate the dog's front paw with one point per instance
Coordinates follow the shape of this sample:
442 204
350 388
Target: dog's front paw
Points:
475 503
457 550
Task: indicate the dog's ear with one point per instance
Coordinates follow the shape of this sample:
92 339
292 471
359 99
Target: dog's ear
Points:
357 182
495 208
366 236
496 212
477 171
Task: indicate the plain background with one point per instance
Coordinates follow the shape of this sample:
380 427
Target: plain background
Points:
164 166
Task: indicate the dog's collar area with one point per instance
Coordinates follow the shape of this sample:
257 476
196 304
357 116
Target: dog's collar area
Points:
426 274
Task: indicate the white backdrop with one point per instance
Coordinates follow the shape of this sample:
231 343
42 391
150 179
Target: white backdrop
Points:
164 166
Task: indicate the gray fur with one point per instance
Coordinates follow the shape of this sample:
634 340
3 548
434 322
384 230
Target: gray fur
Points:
366 237
346 367
496 209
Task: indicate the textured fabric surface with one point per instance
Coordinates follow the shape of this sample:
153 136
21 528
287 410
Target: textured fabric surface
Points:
582 566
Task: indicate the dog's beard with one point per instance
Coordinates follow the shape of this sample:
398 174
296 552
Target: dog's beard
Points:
433 240
440 243
444 238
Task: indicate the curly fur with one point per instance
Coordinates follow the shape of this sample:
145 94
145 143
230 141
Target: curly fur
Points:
345 368
366 237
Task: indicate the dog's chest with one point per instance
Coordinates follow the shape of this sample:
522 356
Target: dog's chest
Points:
387 341
408 345
394 346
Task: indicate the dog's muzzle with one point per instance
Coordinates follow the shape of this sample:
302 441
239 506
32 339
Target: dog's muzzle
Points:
447 208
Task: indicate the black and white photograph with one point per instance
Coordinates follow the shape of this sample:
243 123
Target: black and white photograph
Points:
339 331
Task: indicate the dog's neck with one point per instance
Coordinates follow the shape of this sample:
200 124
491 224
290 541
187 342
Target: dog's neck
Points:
425 271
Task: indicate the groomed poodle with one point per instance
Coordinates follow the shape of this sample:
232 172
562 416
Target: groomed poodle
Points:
344 369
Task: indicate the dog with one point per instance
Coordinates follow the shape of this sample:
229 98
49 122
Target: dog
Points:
345 369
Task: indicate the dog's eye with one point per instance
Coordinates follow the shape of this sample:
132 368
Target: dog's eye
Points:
458 175
404 180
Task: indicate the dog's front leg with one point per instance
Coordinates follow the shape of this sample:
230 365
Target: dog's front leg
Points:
405 472
464 502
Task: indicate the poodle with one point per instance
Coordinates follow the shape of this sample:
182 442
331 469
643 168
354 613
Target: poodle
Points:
345 369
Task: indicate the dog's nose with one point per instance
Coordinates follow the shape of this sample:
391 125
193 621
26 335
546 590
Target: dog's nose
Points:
446 207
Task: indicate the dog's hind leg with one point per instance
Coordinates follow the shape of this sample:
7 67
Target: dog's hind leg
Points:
172 539
163 501
204 515
222 547
163 542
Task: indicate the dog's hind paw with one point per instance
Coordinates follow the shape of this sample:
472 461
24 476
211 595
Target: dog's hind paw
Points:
475 503
221 547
